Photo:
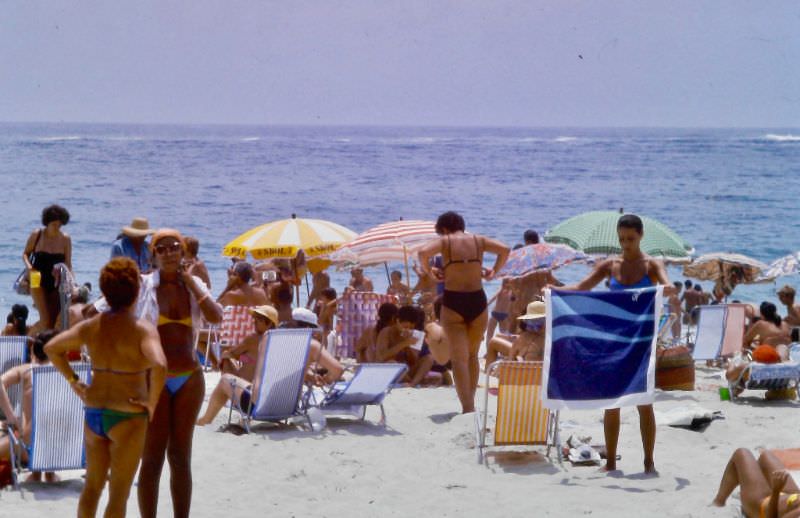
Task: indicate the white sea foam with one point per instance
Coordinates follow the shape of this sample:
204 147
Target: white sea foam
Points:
782 138
251 139
565 139
60 138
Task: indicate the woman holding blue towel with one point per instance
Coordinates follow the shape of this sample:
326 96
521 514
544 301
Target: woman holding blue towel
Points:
631 270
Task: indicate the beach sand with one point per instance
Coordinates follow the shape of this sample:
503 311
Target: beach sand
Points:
425 463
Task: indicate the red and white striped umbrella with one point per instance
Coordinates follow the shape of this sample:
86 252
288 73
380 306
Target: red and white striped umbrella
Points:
387 243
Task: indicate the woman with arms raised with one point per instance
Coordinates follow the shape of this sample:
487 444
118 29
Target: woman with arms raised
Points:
632 270
464 313
120 399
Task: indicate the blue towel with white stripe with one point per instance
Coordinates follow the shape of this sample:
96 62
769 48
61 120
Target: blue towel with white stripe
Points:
600 349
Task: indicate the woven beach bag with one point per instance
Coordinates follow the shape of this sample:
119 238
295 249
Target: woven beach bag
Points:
674 368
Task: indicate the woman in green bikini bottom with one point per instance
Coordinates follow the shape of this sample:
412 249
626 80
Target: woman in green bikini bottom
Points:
118 402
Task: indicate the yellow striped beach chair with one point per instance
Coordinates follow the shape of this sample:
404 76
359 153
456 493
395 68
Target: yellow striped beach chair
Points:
521 418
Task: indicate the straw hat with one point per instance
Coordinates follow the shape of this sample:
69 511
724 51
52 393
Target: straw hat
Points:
139 227
267 312
536 309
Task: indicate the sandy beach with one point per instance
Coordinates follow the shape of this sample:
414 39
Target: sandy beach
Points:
425 461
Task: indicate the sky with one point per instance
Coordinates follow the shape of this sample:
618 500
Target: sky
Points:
724 63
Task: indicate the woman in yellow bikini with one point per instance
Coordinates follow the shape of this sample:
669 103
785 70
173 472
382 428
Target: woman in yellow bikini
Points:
767 489
119 400
175 302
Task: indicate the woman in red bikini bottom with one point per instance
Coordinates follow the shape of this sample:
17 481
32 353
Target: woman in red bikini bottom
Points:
464 313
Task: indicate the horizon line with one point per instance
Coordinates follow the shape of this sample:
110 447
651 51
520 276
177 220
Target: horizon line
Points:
399 125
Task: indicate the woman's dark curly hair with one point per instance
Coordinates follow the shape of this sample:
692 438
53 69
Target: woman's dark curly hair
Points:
119 282
450 221
55 213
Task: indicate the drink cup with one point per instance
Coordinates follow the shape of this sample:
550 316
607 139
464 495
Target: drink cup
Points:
36 278
724 394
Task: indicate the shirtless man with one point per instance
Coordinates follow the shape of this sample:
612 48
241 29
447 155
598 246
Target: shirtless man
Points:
22 375
529 345
399 289
528 288
264 318
238 291
327 310
359 282
786 296
692 297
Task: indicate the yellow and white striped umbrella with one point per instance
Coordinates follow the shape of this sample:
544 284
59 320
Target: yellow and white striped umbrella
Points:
284 238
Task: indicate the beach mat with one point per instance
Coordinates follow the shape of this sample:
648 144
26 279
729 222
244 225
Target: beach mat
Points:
790 457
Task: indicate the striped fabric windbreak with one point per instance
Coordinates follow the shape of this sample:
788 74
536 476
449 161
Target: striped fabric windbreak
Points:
356 311
278 381
600 348
710 332
13 352
521 417
58 415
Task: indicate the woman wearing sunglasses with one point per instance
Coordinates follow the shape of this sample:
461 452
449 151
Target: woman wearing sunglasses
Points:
529 345
175 302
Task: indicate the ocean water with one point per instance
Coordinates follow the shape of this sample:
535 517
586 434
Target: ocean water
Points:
721 189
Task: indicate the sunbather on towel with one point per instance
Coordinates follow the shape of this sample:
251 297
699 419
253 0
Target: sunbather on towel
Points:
264 318
767 489
529 345
22 375
322 368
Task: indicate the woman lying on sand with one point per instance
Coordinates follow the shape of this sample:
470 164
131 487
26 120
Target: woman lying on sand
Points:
767 489
321 368
121 398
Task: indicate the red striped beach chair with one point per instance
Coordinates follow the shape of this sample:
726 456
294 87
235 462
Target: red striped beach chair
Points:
237 323
521 418
357 310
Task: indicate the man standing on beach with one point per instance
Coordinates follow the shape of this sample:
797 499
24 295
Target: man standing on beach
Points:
131 243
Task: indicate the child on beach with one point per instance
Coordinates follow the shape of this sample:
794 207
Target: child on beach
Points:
498 318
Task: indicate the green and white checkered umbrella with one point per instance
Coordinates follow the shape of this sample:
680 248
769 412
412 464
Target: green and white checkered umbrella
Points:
596 233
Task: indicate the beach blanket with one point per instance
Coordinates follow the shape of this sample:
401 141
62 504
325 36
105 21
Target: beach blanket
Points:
600 349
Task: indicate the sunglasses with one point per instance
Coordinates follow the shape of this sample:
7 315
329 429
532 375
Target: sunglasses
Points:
165 249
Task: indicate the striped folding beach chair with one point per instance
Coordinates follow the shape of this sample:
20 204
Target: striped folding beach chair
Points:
57 422
277 390
370 385
237 323
767 376
720 331
357 310
521 418
13 352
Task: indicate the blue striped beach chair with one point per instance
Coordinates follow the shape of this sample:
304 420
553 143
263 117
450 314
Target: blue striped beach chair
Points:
767 376
370 384
13 353
521 417
57 422
277 391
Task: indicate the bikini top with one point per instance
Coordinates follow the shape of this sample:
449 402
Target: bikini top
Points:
450 259
615 285
164 320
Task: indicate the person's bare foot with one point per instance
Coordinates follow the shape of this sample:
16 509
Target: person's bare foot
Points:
36 476
650 468
51 477
717 503
203 422
610 466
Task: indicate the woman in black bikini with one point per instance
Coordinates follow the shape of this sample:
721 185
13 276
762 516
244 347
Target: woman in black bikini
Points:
464 313
121 396
46 247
